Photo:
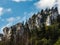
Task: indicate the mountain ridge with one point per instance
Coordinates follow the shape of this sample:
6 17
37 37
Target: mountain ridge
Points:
38 27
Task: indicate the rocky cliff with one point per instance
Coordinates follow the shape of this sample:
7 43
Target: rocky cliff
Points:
22 31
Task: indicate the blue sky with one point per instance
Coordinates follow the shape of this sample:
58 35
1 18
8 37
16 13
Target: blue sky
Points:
14 11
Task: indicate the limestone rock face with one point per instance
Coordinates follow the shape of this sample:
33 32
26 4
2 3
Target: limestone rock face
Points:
1 36
21 31
7 34
17 29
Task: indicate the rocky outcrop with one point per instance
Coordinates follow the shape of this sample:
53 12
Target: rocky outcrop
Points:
21 31
1 36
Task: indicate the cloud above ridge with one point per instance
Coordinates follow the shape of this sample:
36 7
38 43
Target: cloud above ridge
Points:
43 4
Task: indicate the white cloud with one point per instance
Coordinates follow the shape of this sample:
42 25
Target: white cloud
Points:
42 4
45 4
4 10
18 18
21 0
9 10
1 11
11 19
18 0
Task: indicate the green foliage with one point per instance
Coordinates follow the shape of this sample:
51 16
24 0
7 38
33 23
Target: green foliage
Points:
57 42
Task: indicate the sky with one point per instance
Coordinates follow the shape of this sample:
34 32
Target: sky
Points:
15 11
